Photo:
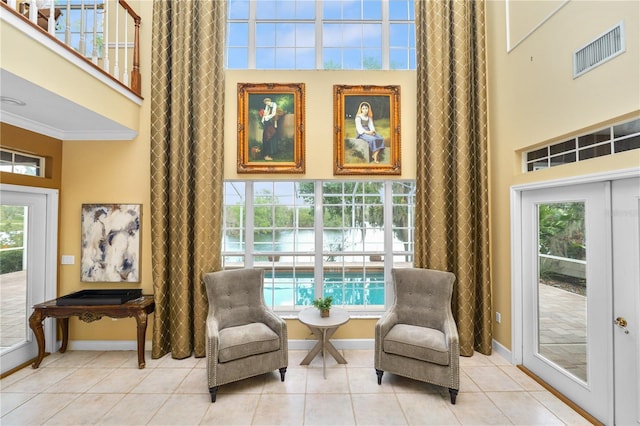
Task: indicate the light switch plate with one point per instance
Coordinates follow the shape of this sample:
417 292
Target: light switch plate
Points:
68 259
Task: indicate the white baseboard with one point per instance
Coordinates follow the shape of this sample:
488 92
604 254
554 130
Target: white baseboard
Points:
503 351
106 345
132 345
295 344
349 344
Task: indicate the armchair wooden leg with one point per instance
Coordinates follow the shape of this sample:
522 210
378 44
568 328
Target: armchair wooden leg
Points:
213 392
453 393
282 371
379 373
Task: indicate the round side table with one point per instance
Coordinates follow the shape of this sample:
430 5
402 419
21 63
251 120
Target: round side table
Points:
323 329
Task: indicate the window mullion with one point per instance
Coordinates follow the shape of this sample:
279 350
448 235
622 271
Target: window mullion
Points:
252 35
385 35
387 210
318 226
319 19
249 225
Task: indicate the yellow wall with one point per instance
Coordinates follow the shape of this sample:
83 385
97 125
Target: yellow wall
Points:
17 139
318 120
534 101
108 172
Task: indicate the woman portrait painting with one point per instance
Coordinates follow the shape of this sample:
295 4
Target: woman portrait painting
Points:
270 128
271 135
366 130
367 136
270 117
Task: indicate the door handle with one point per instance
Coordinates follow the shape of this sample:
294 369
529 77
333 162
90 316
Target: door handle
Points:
622 323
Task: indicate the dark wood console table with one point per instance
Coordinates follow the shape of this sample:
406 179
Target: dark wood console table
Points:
139 308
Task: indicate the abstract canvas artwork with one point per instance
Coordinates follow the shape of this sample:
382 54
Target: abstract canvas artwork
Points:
111 243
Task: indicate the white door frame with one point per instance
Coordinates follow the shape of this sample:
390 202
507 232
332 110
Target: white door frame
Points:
51 253
516 192
626 299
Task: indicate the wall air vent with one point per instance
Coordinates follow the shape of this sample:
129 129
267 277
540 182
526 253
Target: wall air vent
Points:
607 46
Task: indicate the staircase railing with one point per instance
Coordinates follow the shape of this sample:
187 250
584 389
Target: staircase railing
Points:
105 32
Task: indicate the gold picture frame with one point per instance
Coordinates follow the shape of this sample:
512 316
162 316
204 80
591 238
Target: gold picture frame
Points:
358 150
271 128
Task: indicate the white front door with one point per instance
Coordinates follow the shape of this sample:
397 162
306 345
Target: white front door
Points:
28 235
567 292
625 213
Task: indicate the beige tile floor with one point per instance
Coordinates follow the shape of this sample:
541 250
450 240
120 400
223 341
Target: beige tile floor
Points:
94 387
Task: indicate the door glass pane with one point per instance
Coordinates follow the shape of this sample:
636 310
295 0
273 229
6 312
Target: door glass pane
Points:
562 286
13 276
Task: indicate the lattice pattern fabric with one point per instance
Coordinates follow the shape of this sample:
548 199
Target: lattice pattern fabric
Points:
452 223
187 94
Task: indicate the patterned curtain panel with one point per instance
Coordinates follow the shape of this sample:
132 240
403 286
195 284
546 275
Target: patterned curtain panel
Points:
452 223
187 96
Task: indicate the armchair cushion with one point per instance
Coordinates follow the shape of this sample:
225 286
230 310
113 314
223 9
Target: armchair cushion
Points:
246 340
425 344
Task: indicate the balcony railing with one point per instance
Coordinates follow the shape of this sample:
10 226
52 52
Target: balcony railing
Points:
106 33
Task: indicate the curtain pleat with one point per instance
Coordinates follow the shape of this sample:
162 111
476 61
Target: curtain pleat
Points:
452 223
187 98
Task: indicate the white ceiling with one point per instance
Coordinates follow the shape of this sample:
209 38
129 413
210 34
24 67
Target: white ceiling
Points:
47 113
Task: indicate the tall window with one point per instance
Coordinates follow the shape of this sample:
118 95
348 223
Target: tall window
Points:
320 238
321 34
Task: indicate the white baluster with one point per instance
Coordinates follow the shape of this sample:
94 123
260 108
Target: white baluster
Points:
125 74
11 4
33 12
94 47
105 39
67 30
83 50
52 19
116 67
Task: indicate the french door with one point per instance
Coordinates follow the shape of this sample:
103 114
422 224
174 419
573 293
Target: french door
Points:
567 329
580 294
28 276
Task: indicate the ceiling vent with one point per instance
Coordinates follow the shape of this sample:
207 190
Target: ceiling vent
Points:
607 46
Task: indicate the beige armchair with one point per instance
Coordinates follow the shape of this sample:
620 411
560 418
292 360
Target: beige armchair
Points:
244 337
417 337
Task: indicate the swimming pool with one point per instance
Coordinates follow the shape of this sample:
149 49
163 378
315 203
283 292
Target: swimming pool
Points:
283 289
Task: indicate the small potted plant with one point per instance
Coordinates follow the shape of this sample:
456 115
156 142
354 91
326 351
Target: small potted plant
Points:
324 305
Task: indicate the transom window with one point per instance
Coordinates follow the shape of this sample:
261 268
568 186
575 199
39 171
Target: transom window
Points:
321 34
610 140
20 163
320 238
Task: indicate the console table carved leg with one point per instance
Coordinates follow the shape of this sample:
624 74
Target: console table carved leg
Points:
64 326
35 323
141 319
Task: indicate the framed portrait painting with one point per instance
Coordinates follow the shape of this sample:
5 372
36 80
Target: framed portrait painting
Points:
367 130
271 128
111 243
